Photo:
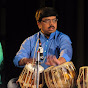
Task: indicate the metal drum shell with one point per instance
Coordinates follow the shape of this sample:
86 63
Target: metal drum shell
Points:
25 79
62 76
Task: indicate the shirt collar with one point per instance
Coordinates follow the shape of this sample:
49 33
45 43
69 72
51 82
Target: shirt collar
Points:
51 35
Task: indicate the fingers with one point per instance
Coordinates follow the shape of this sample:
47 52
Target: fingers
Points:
56 60
48 60
47 63
27 61
52 61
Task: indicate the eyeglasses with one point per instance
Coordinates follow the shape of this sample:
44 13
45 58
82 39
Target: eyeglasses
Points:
49 20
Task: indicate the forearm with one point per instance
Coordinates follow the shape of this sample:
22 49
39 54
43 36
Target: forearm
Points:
66 48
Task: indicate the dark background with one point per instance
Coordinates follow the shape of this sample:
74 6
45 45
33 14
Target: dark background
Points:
17 22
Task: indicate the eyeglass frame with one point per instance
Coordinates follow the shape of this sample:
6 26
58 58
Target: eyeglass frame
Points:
49 20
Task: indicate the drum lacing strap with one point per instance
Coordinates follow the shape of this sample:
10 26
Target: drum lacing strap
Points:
33 77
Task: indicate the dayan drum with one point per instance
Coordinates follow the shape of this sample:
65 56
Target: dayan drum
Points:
27 78
62 76
82 81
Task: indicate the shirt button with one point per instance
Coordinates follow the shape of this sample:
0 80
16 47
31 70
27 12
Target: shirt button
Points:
45 51
47 40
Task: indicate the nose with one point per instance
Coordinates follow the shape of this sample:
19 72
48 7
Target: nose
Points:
51 22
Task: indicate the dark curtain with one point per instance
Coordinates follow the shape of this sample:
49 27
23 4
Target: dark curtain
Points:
86 32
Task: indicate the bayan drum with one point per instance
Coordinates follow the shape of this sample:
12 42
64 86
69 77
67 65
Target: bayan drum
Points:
82 81
27 78
62 76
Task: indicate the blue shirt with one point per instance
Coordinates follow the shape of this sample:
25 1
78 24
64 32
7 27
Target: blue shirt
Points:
58 44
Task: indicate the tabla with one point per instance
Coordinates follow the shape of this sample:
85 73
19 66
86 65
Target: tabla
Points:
27 78
62 76
82 80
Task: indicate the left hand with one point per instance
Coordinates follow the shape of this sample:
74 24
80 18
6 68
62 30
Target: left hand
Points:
52 60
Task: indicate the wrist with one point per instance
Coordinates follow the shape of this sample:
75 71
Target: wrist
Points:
61 60
22 61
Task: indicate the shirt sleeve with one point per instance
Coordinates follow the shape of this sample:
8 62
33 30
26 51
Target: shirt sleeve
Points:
24 52
65 47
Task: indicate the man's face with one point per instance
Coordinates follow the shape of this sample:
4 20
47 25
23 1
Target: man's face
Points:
48 25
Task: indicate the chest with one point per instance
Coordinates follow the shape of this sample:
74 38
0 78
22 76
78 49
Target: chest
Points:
50 47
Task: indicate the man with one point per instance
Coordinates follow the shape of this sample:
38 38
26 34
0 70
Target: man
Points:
57 47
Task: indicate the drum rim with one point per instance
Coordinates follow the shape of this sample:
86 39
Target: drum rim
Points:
63 65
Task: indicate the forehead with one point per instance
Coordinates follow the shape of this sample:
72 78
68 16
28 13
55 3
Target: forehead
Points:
50 17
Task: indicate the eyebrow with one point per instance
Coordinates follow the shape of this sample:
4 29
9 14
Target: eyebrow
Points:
50 19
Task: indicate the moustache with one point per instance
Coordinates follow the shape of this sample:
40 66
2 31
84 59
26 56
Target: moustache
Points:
51 26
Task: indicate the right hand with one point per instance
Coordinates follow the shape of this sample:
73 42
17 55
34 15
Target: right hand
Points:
25 61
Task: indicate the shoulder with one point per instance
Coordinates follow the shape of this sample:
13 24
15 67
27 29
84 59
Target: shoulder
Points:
32 38
61 36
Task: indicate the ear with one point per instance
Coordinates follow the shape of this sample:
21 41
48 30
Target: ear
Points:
39 24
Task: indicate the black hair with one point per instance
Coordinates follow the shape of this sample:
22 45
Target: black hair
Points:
45 12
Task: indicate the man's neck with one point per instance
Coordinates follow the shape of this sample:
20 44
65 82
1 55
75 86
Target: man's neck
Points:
47 36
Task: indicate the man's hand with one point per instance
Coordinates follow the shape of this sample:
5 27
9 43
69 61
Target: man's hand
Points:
53 61
25 61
